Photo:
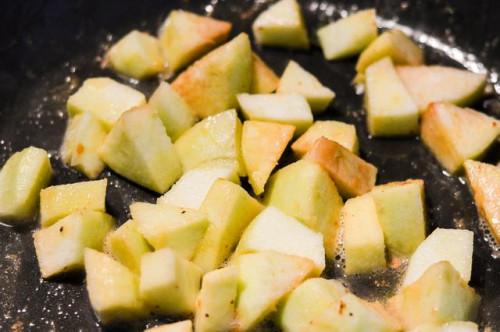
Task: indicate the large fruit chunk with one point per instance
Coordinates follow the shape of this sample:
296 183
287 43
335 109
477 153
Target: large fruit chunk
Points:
185 36
282 25
182 326
21 178
229 209
304 191
139 149
57 202
348 36
262 144
211 84
455 134
264 80
448 327
104 98
59 248
266 278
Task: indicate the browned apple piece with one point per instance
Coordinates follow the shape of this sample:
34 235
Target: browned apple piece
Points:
264 79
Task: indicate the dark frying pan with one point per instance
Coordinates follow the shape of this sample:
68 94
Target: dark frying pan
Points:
47 48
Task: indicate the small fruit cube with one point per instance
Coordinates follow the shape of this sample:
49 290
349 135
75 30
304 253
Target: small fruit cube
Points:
264 80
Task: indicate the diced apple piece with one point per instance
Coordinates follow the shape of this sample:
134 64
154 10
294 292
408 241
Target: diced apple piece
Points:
185 36
484 181
262 144
112 288
192 188
169 284
183 326
401 213
266 278
455 134
352 175
168 226
229 209
340 132
216 302
59 248
264 80
289 108
296 79
448 327
57 202
281 25
348 36
211 84
21 178
139 149
105 98
452 245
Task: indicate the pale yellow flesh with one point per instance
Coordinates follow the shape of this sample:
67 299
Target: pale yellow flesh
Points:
264 80
182 326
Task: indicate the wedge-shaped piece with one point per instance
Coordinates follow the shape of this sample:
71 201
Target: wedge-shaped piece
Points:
192 188
57 202
169 284
216 302
266 278
168 226
211 84
173 111
185 36
230 209
112 288
448 327
296 79
439 296
137 55
139 149
104 98
59 248
455 134
182 326
348 36
82 140
484 181
340 132
21 178
264 80
262 144
289 108
452 245
352 175
281 25
401 213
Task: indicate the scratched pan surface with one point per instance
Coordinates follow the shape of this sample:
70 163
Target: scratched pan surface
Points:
47 48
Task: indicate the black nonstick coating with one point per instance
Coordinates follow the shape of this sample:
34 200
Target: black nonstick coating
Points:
47 48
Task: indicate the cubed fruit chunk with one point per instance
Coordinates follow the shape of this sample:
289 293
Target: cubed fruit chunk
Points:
216 302
192 188
59 248
169 284
229 209
137 55
289 108
262 144
340 132
455 134
281 25
183 326
264 80
57 202
363 236
304 191
484 181
104 98
352 175
21 178
296 79
448 327
401 213
348 36
186 36
168 226
265 279
113 289
84 136
211 84
139 149
452 245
